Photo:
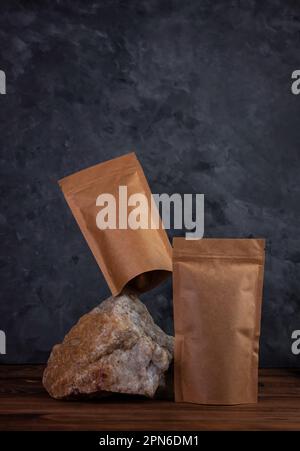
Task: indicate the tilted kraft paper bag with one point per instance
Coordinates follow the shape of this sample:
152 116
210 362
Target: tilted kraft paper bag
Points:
217 287
137 259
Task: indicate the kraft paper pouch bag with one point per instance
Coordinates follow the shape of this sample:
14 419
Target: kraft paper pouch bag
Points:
217 308
136 259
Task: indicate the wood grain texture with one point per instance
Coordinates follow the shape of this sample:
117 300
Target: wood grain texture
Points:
24 405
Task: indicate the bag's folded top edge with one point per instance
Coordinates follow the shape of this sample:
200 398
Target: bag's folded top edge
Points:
74 181
219 247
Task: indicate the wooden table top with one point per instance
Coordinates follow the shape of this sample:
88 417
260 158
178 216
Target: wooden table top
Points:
24 405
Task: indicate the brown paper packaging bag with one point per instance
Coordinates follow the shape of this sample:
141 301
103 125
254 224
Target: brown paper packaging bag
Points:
217 287
134 259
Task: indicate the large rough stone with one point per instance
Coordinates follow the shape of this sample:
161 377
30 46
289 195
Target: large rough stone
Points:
114 348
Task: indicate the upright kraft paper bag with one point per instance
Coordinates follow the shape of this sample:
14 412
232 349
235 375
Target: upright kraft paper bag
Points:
217 308
135 259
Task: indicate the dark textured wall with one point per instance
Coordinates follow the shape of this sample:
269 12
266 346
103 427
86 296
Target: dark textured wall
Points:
201 90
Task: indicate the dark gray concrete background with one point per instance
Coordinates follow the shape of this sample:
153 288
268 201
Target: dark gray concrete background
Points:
201 90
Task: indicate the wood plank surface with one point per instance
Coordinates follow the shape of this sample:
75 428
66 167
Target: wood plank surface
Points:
24 405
